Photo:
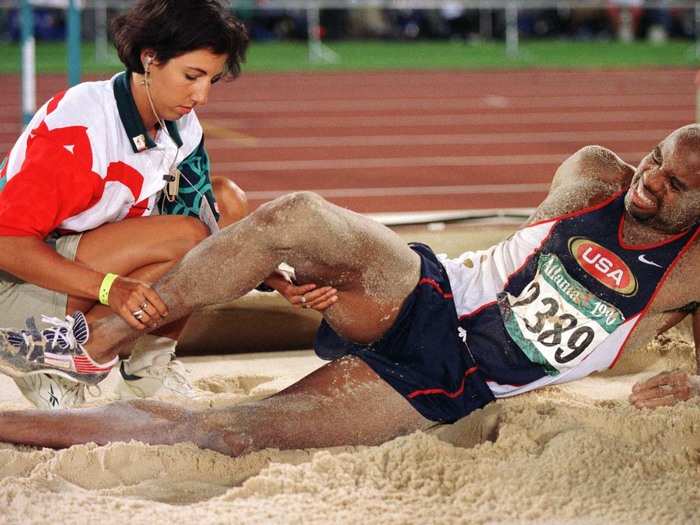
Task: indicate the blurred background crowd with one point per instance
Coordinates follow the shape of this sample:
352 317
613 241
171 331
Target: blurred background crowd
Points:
623 19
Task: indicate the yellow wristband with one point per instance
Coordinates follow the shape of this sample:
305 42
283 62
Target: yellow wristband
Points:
106 286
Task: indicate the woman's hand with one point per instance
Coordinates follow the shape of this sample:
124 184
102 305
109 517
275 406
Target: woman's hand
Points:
665 389
305 295
137 303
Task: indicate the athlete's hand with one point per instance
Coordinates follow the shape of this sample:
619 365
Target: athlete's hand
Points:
305 295
137 303
664 389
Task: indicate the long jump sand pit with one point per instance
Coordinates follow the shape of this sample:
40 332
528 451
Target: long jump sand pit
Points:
572 454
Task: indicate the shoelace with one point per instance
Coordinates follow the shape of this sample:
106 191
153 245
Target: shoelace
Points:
62 334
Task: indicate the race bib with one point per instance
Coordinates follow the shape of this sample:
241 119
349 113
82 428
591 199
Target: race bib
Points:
556 321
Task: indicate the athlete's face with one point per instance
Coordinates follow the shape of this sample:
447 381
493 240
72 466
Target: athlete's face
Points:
665 190
183 82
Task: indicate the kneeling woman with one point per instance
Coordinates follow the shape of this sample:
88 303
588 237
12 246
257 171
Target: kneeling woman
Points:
109 186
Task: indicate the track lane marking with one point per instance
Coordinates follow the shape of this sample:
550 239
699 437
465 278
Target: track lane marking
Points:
399 162
410 191
585 137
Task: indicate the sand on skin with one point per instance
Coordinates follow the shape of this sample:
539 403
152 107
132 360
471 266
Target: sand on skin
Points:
569 454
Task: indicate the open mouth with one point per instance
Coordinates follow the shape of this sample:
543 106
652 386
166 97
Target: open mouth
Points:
643 200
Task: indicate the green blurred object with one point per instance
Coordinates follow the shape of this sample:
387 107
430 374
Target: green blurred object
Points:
373 55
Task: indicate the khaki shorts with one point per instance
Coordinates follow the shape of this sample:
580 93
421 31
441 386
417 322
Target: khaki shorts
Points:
20 300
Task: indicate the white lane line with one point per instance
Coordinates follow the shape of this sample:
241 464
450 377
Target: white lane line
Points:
410 191
576 117
469 103
476 215
581 137
398 162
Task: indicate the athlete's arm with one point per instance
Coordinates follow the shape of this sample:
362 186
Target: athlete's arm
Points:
668 388
586 178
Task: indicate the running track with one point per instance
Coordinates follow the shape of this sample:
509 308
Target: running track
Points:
411 141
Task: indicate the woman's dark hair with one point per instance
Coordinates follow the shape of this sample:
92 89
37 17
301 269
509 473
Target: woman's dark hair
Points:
175 27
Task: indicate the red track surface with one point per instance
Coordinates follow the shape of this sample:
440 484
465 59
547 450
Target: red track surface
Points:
408 141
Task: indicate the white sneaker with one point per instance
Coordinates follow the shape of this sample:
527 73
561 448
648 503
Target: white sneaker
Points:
50 391
151 368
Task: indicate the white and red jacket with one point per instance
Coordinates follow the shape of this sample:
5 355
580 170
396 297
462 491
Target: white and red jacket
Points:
85 160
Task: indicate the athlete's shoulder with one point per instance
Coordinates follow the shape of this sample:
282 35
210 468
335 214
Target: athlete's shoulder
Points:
588 177
596 163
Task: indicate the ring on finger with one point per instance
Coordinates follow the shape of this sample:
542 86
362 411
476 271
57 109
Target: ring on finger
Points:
144 306
303 300
138 314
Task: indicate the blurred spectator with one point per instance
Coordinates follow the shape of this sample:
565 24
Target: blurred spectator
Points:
625 15
369 22
49 24
461 23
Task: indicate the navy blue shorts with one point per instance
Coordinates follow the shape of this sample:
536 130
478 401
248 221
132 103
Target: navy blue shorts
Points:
423 355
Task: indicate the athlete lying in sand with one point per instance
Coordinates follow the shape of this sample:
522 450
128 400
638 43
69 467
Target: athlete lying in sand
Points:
608 260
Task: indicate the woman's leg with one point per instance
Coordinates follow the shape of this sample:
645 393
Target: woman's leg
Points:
231 200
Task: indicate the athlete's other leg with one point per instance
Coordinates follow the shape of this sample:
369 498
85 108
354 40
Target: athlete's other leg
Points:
342 403
371 267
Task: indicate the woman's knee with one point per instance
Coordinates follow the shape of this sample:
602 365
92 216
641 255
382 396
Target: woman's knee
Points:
184 234
230 199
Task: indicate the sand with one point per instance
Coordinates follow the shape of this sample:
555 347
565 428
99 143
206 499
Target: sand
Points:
570 454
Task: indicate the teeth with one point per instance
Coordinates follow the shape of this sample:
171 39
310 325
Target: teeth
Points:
642 196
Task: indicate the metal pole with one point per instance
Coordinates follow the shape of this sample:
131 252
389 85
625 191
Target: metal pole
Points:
626 30
101 41
313 27
73 43
28 62
697 29
512 29
317 51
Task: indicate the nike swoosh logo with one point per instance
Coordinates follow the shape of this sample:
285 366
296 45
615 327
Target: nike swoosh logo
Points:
642 258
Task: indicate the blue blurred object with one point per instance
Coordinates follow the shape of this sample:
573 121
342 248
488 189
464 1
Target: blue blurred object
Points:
49 24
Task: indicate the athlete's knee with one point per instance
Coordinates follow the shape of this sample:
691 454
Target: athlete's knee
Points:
294 209
230 199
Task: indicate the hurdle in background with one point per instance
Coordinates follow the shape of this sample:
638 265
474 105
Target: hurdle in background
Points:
29 49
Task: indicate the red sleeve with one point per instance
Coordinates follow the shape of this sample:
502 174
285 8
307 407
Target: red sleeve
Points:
52 185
